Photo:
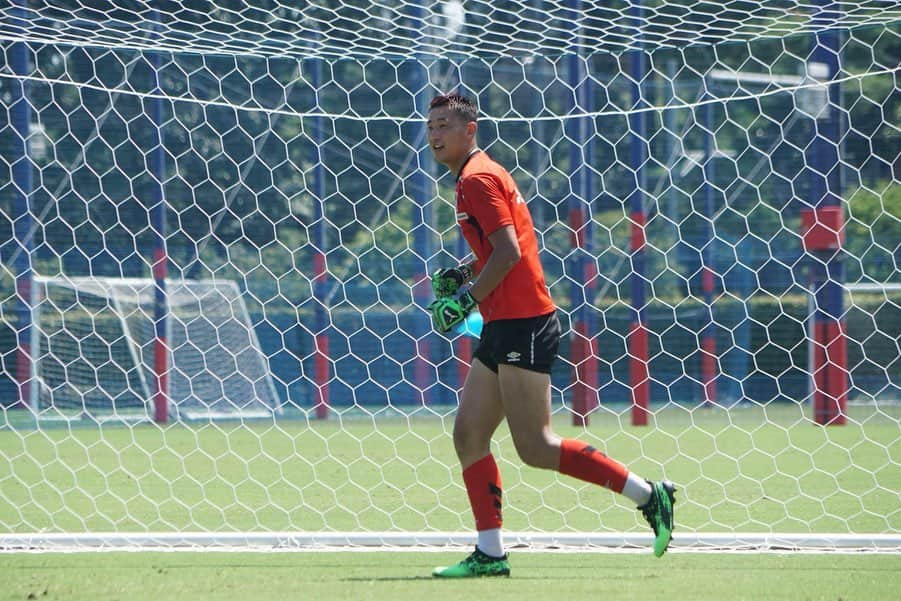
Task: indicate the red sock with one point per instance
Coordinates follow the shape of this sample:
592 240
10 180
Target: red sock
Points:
483 485
585 462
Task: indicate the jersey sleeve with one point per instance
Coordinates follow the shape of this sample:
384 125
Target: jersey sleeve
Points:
486 202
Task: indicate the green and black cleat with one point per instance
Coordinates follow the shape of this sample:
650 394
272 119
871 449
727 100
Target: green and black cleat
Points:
476 565
658 511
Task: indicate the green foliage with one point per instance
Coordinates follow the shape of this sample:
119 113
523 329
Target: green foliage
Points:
873 231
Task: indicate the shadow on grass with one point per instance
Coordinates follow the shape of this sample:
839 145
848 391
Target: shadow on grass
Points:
541 577
389 579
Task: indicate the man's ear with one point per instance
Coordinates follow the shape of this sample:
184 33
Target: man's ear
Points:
471 128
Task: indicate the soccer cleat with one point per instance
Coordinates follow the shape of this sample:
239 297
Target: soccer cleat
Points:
658 511
475 566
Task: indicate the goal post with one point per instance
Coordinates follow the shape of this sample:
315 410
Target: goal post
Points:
234 214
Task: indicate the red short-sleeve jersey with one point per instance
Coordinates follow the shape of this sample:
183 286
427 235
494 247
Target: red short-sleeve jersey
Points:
487 200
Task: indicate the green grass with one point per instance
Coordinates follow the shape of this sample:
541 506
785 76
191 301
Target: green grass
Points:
752 470
405 576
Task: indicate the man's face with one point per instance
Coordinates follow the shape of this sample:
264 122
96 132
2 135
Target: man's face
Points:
450 136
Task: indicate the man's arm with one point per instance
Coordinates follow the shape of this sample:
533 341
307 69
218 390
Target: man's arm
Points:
505 253
448 311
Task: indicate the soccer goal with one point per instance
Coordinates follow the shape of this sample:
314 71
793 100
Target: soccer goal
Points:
96 345
230 210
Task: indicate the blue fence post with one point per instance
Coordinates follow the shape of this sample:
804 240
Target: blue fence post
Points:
422 193
708 338
20 120
638 334
582 270
823 226
321 365
160 256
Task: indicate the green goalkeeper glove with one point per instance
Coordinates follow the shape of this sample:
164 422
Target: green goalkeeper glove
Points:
451 310
446 282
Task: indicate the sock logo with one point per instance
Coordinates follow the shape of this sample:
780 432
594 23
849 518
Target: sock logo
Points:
590 450
498 494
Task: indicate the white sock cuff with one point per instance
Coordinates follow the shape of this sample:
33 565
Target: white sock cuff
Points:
491 542
637 489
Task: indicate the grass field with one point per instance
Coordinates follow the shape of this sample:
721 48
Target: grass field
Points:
751 470
745 470
405 576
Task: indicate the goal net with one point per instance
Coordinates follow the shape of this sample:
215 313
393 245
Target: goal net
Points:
248 187
96 346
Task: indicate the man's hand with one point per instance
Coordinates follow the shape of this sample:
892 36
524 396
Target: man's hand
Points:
451 310
446 282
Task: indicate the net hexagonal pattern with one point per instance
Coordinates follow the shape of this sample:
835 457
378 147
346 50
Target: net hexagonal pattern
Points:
242 199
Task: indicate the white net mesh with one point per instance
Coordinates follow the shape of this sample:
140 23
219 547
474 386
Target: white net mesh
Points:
399 30
670 153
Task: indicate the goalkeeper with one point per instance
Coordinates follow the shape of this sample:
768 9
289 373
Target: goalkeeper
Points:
510 373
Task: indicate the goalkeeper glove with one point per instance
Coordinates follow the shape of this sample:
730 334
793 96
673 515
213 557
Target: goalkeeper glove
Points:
452 310
446 282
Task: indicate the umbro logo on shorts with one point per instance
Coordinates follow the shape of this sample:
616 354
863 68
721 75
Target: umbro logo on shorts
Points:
513 356
462 216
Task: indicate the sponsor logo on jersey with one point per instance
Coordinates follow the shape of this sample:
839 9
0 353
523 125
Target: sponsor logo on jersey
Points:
513 357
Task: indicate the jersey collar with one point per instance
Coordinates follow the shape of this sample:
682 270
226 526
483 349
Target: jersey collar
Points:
463 166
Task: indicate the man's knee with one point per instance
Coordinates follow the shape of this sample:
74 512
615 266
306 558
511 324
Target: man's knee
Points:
531 456
537 451
462 437
469 442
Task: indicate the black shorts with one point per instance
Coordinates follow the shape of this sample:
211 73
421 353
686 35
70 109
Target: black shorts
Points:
531 343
